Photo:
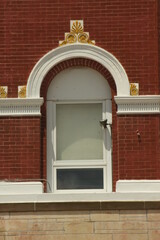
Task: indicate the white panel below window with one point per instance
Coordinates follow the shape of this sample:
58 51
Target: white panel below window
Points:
21 187
124 186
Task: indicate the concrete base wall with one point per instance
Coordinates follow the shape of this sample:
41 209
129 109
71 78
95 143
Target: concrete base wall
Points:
81 225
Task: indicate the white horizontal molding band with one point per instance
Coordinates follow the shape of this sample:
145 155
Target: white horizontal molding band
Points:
20 106
79 197
124 186
142 104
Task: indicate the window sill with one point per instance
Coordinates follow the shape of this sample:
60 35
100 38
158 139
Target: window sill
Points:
75 202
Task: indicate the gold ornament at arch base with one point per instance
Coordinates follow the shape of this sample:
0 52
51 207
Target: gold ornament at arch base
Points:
21 91
134 89
77 34
3 91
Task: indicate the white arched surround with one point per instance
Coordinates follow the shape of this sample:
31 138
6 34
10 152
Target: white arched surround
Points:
126 104
61 54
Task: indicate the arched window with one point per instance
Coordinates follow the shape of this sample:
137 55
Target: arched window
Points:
78 147
90 94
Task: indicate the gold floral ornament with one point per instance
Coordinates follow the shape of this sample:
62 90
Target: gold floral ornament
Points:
3 91
134 89
83 38
22 91
71 38
76 26
77 34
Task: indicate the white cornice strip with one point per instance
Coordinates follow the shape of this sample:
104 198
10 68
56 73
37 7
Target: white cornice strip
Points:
20 107
142 104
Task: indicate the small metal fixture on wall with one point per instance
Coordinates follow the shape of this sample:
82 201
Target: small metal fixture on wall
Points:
138 135
76 34
104 123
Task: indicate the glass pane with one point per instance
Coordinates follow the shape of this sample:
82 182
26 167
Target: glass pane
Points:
79 134
89 178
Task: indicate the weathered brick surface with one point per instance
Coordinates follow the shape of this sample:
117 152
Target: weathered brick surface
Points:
20 148
138 158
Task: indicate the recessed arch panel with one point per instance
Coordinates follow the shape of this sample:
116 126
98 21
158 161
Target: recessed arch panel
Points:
79 83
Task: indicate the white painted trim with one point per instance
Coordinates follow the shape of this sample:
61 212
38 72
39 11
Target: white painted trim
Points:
142 104
77 82
21 188
52 164
79 197
20 107
128 186
51 144
61 54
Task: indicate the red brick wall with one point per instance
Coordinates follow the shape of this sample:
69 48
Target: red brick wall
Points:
138 155
158 12
126 28
20 148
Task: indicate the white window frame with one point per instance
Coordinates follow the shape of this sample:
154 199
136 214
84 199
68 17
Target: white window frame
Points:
57 94
105 163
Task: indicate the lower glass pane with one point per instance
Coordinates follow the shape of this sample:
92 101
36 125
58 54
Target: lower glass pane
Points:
88 178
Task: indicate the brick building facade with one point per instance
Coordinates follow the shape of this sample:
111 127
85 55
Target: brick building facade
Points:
39 45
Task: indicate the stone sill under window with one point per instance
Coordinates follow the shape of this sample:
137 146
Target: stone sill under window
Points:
79 202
